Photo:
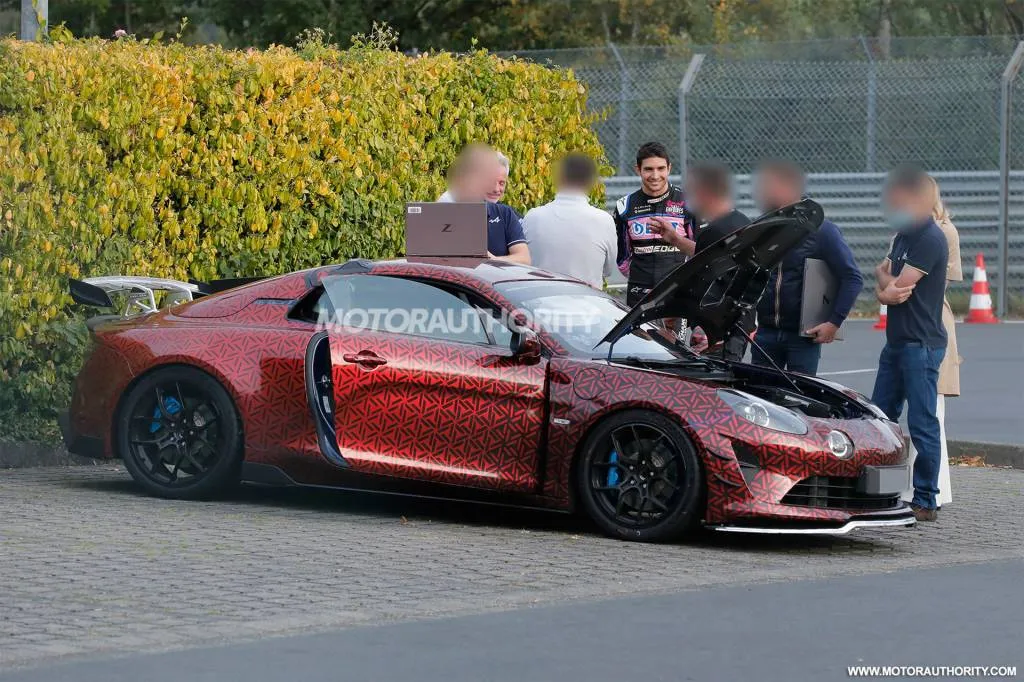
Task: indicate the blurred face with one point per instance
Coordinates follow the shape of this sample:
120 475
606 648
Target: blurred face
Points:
698 197
905 209
653 174
477 183
772 191
497 190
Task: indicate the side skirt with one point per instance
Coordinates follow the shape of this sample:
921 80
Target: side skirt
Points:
273 476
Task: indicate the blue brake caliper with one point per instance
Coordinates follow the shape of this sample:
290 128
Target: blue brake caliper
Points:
613 471
171 405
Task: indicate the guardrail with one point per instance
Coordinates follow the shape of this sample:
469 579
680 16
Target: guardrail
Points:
852 201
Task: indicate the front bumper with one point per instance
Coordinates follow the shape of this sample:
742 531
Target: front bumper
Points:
777 482
900 517
83 446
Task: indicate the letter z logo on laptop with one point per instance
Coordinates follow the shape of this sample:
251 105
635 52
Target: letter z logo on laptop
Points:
447 227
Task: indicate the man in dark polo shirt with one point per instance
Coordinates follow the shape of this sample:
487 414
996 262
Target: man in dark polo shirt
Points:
505 238
912 282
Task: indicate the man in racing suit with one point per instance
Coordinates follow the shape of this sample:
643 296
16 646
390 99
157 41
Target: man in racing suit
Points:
641 220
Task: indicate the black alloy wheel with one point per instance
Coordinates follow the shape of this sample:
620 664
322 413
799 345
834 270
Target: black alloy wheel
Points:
179 434
639 477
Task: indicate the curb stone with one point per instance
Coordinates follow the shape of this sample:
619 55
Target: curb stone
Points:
992 454
15 455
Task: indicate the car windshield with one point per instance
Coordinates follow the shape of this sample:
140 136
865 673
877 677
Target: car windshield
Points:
580 316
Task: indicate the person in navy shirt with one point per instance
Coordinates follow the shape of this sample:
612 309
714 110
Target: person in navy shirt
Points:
505 238
912 283
470 179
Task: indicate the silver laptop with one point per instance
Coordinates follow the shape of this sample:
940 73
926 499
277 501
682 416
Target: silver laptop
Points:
819 296
446 233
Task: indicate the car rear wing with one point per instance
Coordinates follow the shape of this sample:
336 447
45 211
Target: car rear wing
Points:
140 295
136 295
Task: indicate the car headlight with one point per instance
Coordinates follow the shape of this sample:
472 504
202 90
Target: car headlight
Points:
763 413
840 444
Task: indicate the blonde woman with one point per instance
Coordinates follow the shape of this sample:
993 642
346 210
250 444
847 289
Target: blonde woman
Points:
949 370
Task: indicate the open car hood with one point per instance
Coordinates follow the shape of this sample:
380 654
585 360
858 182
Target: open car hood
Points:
715 287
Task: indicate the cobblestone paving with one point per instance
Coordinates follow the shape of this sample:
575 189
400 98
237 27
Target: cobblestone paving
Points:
89 565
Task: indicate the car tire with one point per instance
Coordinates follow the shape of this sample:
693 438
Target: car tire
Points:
658 477
197 433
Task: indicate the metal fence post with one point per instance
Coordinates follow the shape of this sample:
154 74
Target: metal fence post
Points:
1005 127
623 113
685 86
34 18
872 107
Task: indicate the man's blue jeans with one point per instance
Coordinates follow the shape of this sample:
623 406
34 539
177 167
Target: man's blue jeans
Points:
911 373
787 349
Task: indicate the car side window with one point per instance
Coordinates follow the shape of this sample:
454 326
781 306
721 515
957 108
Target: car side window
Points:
500 333
400 306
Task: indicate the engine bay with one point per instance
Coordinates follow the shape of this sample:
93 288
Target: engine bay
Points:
792 400
804 395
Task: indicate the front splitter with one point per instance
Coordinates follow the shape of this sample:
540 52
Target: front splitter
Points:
839 530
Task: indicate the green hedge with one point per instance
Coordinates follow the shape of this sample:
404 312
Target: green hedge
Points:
166 160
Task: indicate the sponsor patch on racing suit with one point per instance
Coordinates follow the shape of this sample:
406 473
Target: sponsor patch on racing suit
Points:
643 256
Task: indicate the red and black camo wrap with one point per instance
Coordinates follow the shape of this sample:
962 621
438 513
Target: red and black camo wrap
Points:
244 339
582 392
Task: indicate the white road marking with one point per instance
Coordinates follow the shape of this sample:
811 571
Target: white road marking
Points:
847 371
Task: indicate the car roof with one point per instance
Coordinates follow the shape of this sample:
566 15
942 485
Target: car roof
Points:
294 284
487 272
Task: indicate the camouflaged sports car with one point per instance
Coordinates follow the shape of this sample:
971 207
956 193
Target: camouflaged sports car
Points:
557 396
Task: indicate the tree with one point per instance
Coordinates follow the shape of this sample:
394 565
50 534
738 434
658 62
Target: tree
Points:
450 24
103 17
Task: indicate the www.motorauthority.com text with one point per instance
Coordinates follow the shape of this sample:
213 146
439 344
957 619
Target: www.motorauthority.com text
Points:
931 671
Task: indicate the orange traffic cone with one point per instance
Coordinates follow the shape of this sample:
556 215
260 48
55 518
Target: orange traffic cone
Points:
980 311
883 317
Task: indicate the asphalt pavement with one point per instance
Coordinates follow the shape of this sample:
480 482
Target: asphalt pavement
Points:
815 630
991 377
98 581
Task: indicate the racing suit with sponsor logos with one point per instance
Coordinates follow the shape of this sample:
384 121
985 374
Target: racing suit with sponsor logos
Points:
643 256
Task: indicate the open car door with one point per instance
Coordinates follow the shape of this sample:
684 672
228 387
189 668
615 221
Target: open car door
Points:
445 401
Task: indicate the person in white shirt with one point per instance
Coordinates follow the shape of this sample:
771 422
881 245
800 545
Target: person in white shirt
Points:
568 235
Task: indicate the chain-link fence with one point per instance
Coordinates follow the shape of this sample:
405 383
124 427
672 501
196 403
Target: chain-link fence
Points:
845 110
1010 239
854 105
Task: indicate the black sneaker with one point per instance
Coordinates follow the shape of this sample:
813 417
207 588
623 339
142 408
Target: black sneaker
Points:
924 514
